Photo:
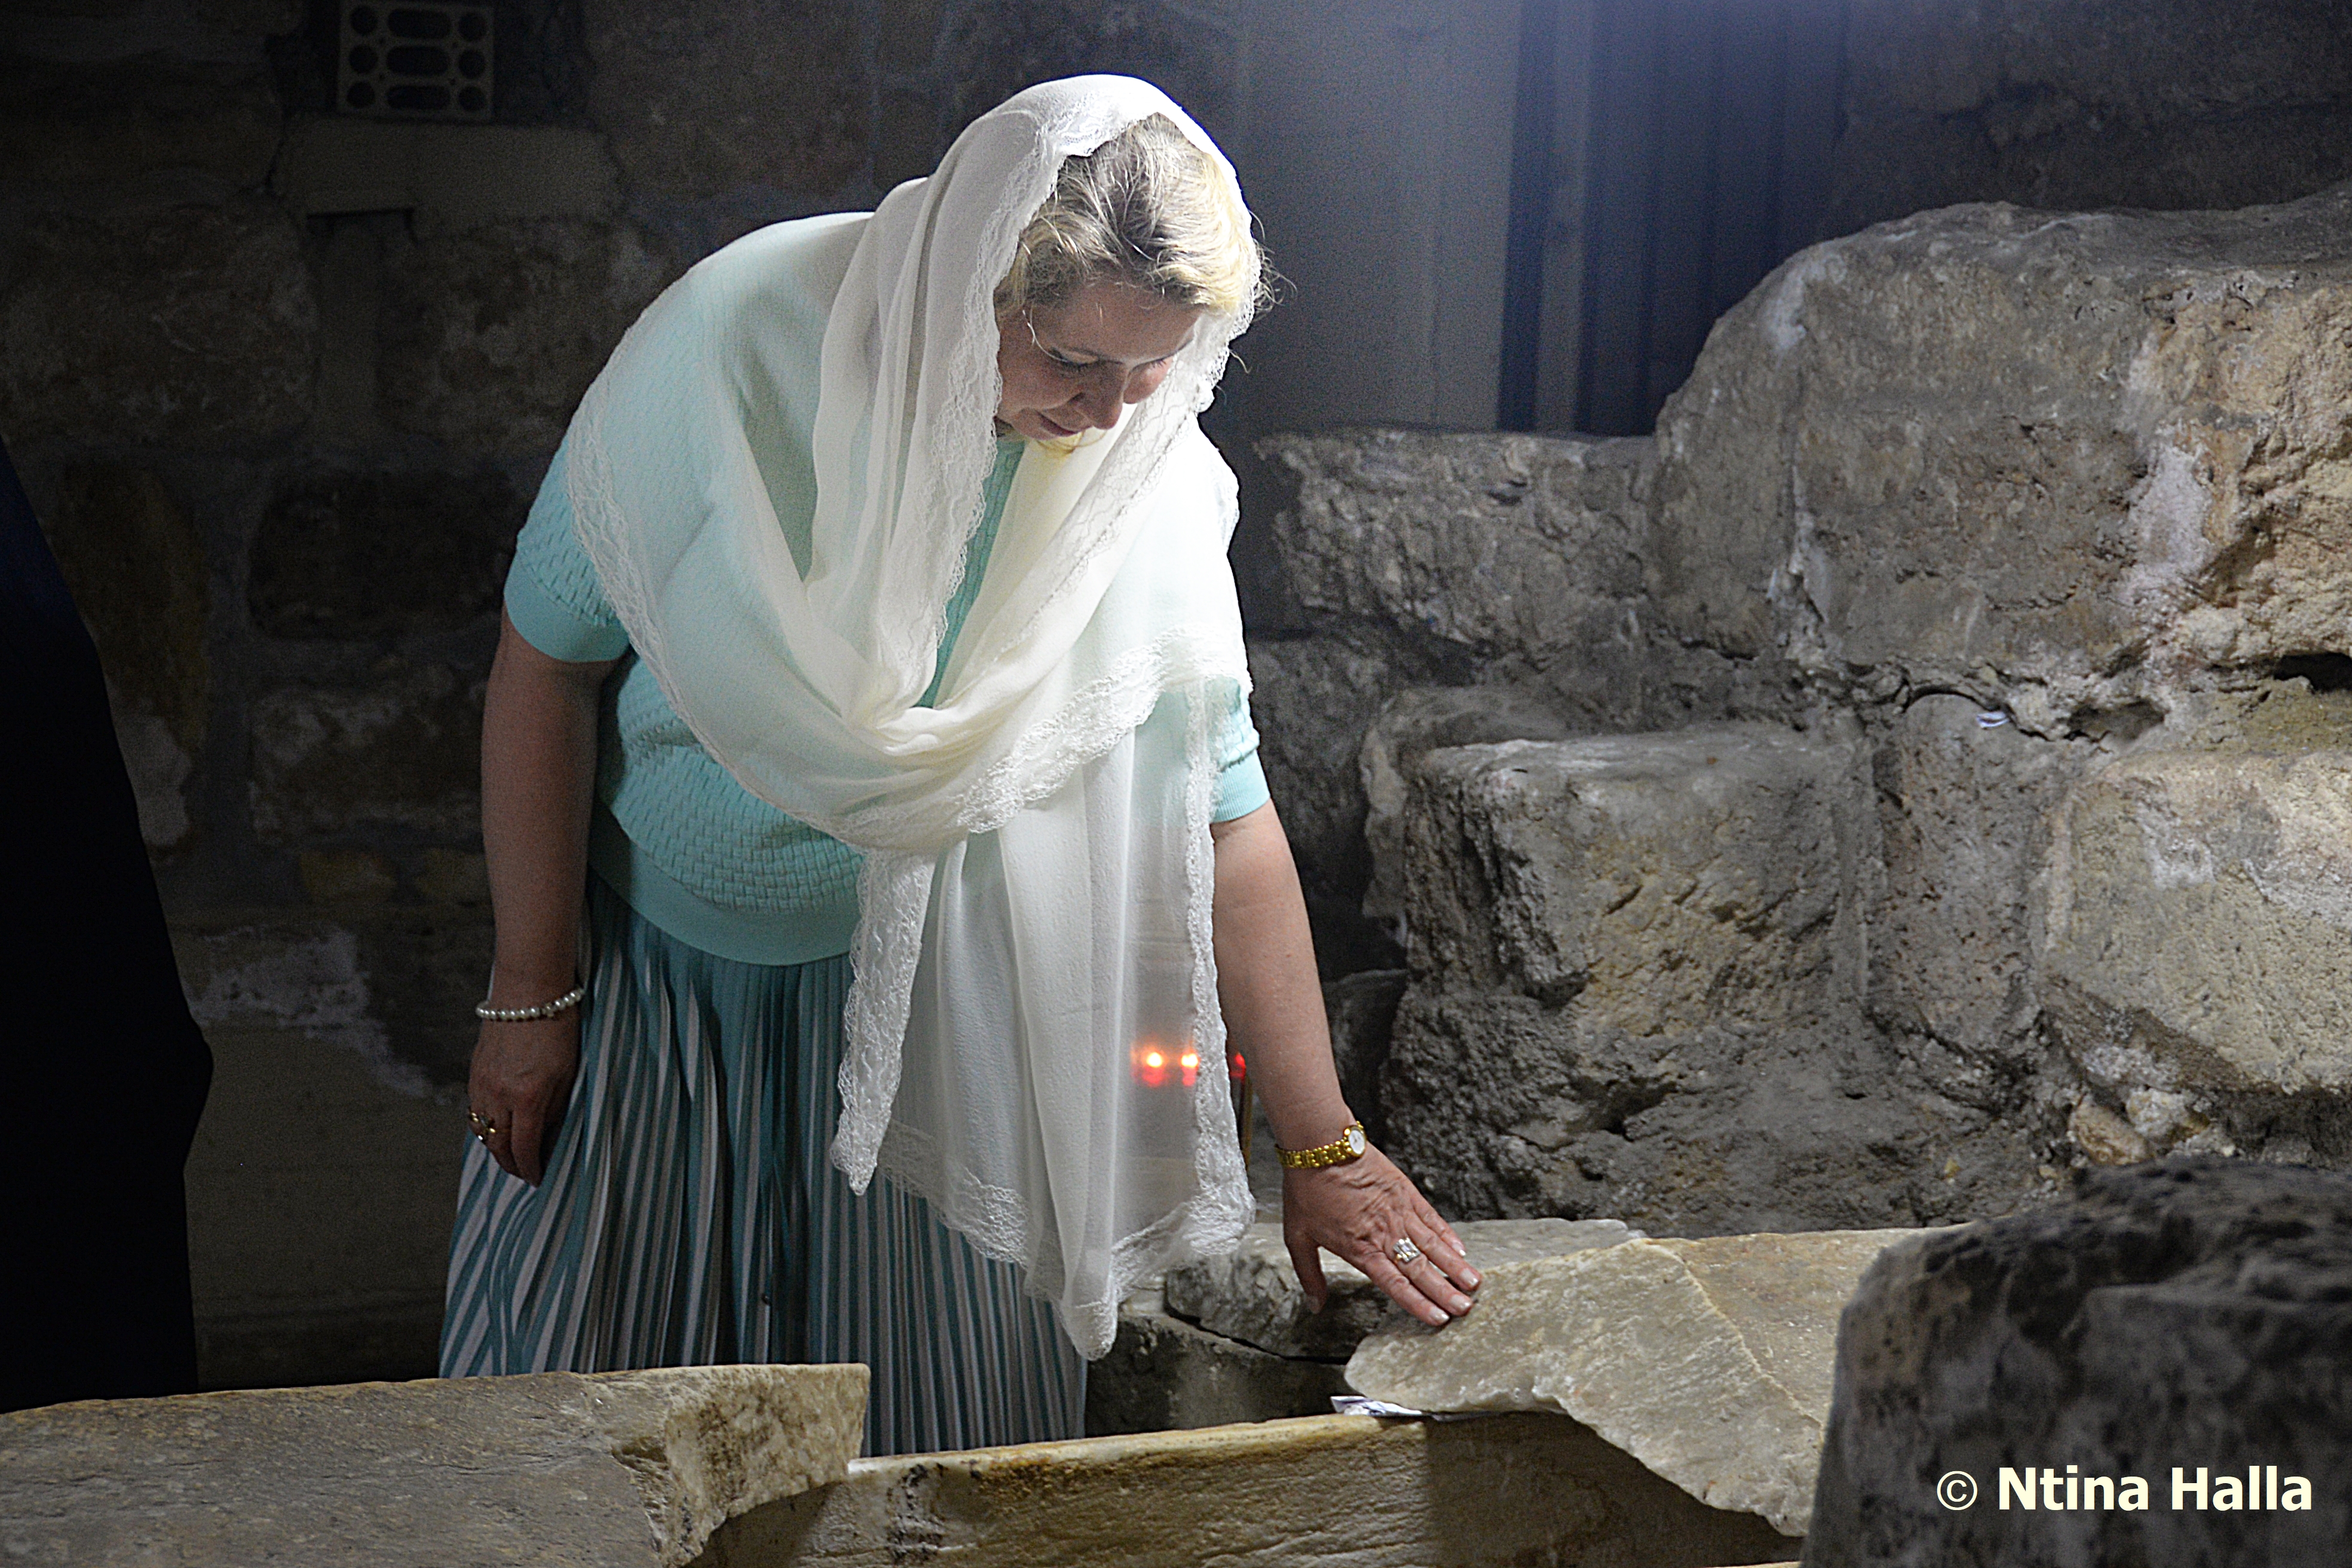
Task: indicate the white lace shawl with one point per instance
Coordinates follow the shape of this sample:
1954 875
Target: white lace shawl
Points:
1035 919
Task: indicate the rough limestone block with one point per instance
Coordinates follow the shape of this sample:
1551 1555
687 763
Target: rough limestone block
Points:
1489 544
349 553
1331 1491
2200 932
446 176
1661 883
1965 825
185 326
1253 1295
1419 720
401 752
1362 1010
2191 104
1164 1373
1709 1360
2190 1313
705 98
553 1467
2057 463
78 125
1312 698
489 334
987 53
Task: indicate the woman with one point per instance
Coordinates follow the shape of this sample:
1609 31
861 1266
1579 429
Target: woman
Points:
873 645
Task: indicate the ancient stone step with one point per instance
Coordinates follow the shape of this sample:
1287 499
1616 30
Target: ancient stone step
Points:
1707 1360
1254 1295
1330 1491
2200 926
613 1468
2182 1319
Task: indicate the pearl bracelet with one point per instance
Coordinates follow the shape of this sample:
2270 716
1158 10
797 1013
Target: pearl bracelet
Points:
488 1014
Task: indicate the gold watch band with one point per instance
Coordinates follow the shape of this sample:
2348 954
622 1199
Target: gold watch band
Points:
1349 1145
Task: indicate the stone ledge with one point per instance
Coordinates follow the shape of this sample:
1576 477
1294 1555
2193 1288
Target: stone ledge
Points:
1329 1491
552 1467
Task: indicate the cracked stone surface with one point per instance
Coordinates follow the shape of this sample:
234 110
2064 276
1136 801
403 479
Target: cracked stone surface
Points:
613 1468
1709 1360
1254 1295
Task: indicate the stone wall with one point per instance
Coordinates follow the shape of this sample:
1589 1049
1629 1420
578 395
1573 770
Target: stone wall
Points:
1920 769
2091 103
281 384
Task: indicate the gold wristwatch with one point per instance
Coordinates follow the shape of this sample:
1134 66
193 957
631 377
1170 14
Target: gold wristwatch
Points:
1349 1145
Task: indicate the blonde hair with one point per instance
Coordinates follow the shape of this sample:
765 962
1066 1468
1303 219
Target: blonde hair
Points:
1148 209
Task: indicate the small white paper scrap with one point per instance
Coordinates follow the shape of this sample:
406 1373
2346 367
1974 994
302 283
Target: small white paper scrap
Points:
1357 1405
1991 718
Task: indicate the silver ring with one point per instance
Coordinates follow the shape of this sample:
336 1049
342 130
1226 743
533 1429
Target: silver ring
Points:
1404 1251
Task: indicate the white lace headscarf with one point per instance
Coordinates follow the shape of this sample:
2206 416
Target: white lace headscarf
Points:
1034 923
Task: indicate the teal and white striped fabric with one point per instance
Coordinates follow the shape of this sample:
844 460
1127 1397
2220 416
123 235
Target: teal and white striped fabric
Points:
690 1217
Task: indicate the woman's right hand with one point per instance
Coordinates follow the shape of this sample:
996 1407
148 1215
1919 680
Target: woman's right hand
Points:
539 771
520 1085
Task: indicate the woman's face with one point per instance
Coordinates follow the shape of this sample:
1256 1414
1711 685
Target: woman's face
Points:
1071 368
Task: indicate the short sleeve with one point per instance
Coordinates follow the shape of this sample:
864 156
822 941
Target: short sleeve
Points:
553 595
1240 777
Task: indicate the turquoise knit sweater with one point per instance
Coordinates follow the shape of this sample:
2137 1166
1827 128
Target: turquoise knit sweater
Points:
675 836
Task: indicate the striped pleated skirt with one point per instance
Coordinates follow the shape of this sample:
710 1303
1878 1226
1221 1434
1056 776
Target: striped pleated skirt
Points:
689 1215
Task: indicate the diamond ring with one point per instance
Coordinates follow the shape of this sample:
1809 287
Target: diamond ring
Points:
1404 1251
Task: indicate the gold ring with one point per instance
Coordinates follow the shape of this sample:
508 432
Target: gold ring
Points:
1404 1251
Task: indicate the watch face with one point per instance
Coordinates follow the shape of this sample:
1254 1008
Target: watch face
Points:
1354 1138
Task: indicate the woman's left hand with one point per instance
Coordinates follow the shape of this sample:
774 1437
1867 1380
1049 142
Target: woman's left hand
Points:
1359 1211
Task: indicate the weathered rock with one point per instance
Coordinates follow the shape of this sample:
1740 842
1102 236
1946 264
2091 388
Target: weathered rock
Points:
549 1468
491 334
1963 830
1486 547
136 566
1417 722
1254 1295
906 144
2058 464
2071 103
1708 1361
1163 1374
1437 561
370 553
1312 698
268 17
1659 884
1492 1494
446 177
1636 993
2190 1313
188 326
392 983
1192 52
80 125
1362 1009
702 98
2200 927
1496 1107
403 752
